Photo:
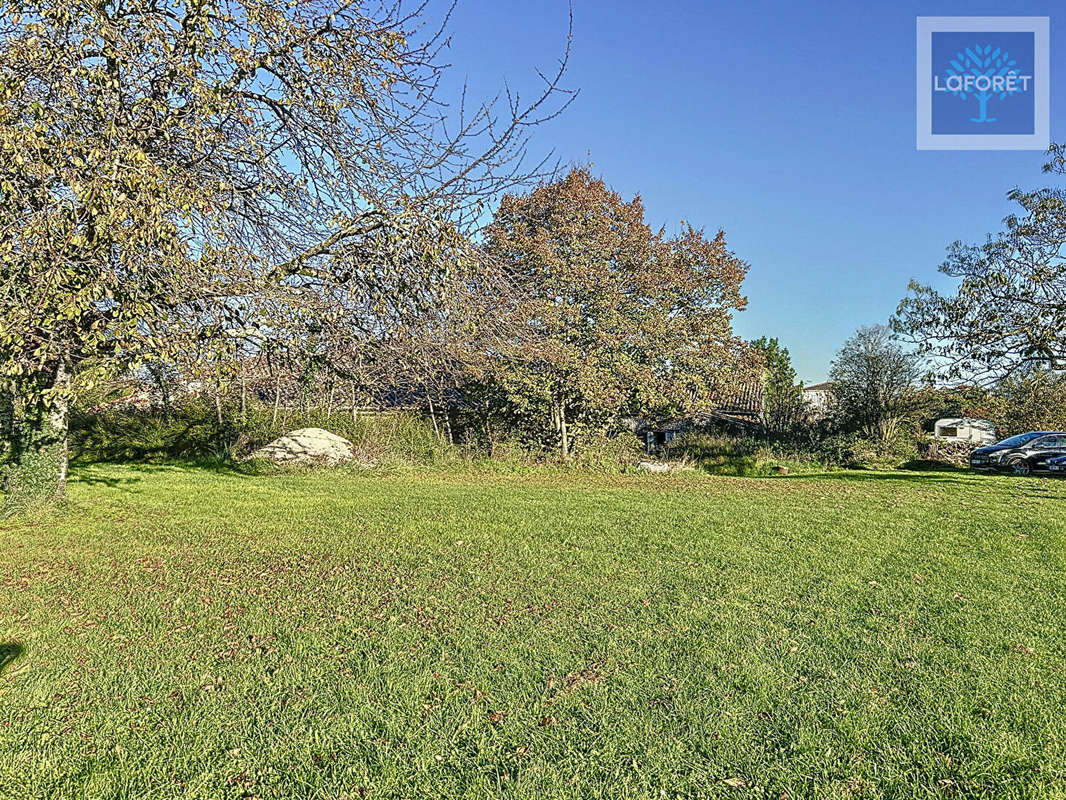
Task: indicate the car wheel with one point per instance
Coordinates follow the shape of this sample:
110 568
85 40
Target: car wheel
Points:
1021 467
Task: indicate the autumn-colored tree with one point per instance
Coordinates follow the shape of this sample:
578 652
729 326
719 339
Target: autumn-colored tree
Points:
618 318
179 170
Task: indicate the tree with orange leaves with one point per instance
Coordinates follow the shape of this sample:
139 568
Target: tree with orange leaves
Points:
620 319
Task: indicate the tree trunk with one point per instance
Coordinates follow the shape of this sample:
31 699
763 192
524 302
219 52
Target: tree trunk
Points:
433 417
564 436
448 424
59 426
887 429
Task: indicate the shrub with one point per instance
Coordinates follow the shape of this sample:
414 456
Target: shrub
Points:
957 453
604 452
854 451
189 431
849 450
725 455
742 456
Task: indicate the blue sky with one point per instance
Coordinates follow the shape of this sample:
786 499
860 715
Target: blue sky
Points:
791 125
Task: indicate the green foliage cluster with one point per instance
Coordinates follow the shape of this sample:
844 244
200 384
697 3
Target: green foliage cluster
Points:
784 408
1034 400
855 451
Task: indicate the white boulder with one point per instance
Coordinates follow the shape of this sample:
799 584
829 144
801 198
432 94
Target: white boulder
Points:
663 466
307 446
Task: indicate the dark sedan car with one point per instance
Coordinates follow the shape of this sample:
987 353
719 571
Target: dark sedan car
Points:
1023 454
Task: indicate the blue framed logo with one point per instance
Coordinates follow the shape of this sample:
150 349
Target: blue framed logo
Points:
983 83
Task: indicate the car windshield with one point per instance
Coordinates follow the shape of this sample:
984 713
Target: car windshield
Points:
1020 439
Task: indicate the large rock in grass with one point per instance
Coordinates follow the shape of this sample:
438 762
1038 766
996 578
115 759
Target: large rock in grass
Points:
307 446
664 466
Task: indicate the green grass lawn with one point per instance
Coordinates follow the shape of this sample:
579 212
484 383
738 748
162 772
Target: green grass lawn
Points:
187 633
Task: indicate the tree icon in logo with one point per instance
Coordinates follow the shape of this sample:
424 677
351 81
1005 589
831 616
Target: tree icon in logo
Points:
983 73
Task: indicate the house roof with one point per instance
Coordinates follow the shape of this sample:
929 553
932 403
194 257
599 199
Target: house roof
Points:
971 421
748 398
743 406
818 387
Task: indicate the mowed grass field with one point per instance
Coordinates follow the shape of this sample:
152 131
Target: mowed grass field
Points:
187 633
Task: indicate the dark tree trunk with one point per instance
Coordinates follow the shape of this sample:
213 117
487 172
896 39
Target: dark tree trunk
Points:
564 433
448 423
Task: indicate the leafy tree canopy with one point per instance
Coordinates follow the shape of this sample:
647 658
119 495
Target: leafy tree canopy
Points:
1008 313
620 317
873 380
784 406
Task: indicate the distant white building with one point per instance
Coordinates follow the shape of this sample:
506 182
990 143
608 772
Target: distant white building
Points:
817 397
965 429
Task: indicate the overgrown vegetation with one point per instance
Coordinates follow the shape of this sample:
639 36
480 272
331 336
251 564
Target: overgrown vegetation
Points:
194 432
228 428
721 454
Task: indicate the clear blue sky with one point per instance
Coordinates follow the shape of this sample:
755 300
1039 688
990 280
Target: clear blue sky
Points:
791 125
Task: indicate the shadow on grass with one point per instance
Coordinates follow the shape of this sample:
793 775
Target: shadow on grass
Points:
85 474
9 651
215 466
98 473
902 476
924 465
